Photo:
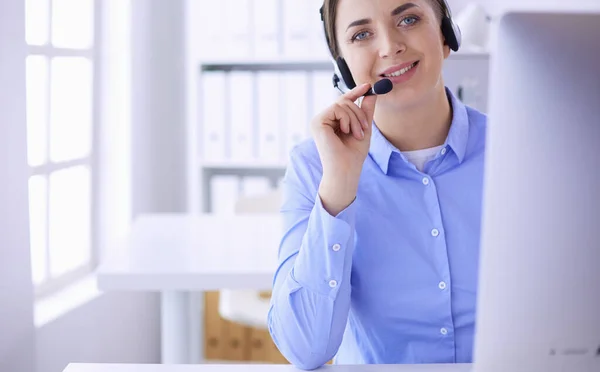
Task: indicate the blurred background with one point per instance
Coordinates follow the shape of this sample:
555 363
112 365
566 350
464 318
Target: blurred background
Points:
156 106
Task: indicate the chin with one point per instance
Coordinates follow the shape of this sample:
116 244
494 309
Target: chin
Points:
402 97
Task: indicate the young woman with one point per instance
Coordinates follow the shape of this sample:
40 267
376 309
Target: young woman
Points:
379 259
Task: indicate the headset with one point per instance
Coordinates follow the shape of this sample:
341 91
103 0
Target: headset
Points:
342 75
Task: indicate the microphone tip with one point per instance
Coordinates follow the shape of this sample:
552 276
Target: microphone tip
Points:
383 86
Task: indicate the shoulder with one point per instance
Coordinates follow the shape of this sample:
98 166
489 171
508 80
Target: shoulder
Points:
304 166
477 130
477 119
305 154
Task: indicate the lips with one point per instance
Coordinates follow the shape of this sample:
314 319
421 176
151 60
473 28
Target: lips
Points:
401 74
399 68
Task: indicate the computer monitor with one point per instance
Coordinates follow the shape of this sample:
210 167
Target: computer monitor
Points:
539 291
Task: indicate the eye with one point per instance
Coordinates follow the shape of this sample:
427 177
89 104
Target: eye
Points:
360 36
409 20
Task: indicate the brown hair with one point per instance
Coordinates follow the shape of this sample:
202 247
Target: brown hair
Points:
329 14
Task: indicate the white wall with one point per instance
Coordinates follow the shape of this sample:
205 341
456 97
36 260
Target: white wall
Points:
114 328
159 139
499 6
125 327
457 5
16 312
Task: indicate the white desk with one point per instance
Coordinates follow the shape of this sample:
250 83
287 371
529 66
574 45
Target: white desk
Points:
265 368
180 256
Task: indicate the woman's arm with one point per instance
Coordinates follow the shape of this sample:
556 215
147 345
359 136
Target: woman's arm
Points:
311 290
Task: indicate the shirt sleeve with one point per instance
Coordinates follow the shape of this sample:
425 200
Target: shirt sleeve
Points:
311 288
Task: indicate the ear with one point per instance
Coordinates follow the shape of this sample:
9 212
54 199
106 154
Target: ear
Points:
445 47
446 51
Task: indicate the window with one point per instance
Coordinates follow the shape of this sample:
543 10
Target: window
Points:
62 106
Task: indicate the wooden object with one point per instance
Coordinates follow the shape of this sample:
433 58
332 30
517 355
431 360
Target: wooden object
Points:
228 341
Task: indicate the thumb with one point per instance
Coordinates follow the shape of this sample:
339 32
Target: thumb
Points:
368 107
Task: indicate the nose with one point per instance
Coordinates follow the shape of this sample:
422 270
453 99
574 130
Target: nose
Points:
391 44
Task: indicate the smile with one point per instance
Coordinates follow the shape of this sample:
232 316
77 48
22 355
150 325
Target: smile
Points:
402 71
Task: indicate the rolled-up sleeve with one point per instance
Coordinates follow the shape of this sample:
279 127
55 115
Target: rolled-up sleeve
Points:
311 289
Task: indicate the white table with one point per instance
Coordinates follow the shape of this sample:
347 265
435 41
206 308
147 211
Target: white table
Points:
181 256
265 368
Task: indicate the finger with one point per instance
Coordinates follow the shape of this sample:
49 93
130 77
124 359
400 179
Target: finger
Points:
360 114
341 116
357 120
368 107
357 92
345 123
332 116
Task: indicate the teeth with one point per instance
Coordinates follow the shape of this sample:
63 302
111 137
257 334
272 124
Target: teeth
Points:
401 72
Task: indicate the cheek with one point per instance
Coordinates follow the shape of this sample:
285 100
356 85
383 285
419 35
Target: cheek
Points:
431 39
361 67
435 41
433 50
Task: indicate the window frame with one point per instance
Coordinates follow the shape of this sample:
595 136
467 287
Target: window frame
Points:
51 285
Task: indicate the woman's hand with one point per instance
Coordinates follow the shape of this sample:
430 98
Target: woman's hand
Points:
342 133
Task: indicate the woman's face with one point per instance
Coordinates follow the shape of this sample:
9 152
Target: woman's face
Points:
397 39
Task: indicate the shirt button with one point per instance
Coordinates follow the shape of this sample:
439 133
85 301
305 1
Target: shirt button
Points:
442 285
444 151
425 181
444 331
336 247
332 283
435 232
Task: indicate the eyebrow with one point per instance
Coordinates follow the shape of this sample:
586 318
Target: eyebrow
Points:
399 10
402 8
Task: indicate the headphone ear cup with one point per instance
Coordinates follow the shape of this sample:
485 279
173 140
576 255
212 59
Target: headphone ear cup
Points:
457 35
338 83
342 76
451 33
345 72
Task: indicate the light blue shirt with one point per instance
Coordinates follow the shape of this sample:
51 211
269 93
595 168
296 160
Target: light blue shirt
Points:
393 277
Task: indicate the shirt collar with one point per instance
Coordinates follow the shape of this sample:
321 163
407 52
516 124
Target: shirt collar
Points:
381 149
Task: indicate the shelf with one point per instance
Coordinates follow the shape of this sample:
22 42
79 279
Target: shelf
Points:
232 165
295 65
301 65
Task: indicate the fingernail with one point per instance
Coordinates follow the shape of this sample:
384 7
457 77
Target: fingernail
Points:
362 133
